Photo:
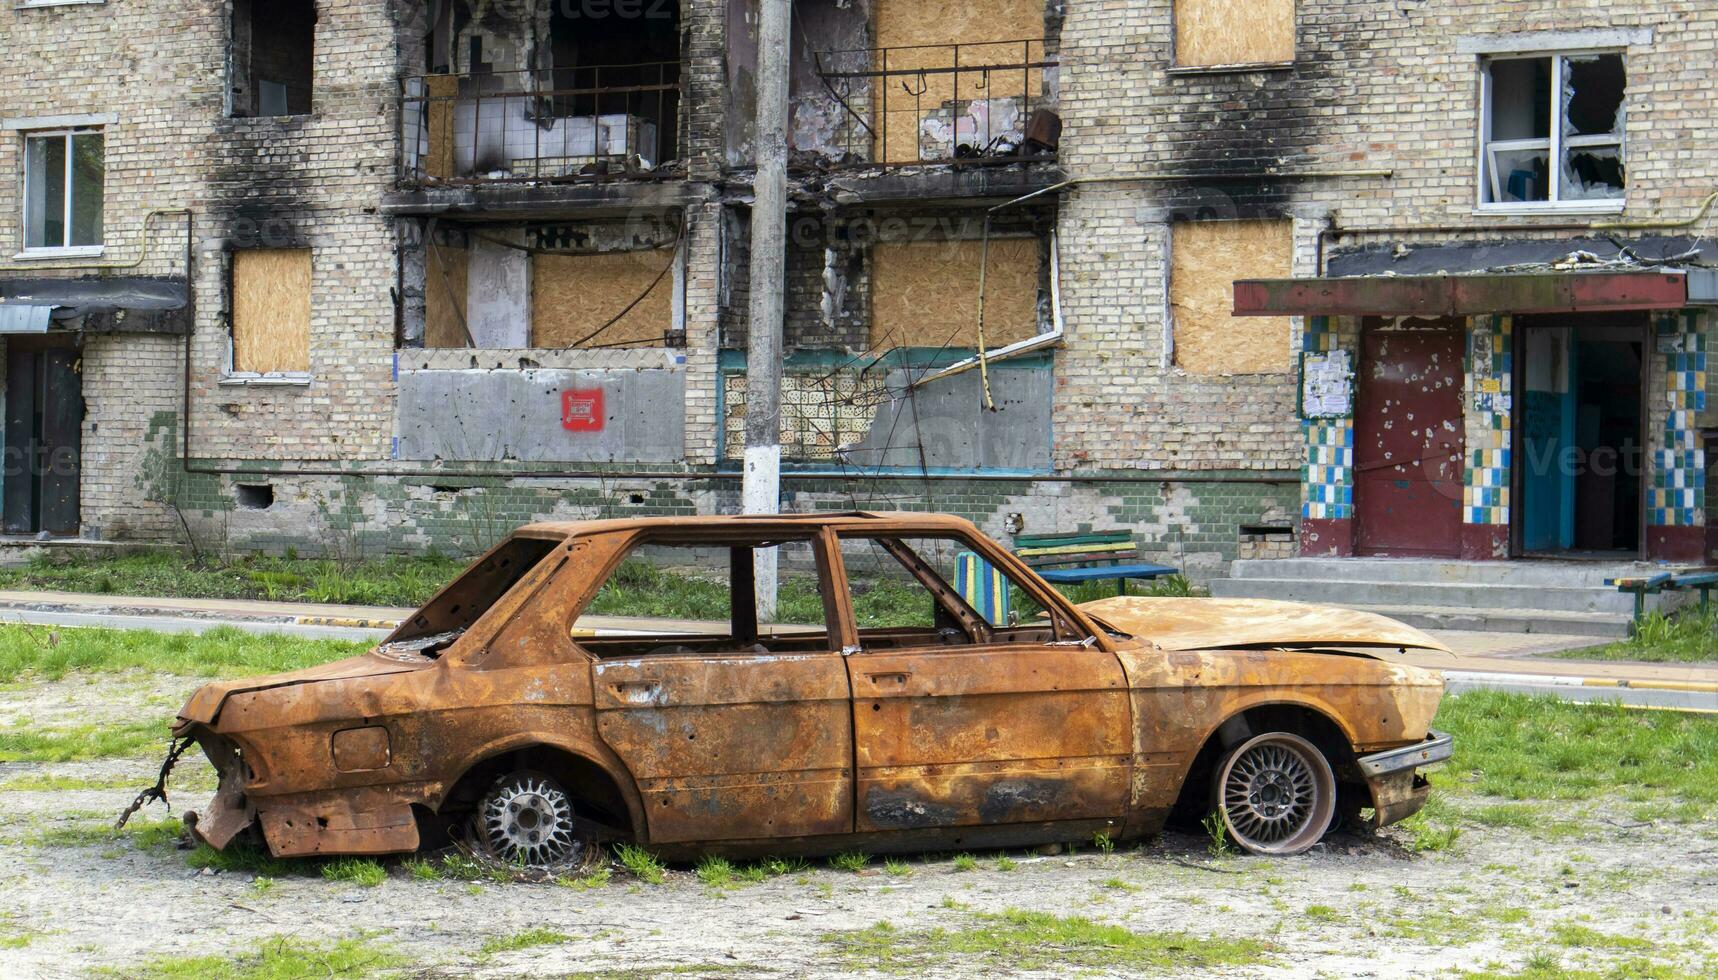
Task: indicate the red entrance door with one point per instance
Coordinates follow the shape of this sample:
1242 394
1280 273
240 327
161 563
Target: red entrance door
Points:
1408 440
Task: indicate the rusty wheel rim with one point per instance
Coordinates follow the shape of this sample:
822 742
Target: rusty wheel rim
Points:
526 818
1277 794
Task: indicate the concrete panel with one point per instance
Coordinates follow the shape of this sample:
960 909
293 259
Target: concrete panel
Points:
542 416
948 419
498 304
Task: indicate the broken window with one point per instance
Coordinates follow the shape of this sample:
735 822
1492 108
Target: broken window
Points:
1553 129
271 311
678 577
1206 258
939 592
455 608
1209 33
63 178
272 57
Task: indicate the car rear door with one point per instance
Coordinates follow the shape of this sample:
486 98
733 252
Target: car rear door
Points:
1014 726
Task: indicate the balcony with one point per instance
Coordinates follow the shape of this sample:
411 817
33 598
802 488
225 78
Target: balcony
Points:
541 125
950 104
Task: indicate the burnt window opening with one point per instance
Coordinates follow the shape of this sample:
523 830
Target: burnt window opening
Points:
1553 130
623 72
272 57
455 608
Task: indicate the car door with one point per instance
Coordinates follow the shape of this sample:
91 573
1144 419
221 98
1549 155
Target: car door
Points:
968 722
736 735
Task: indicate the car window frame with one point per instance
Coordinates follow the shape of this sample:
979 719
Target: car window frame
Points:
1066 624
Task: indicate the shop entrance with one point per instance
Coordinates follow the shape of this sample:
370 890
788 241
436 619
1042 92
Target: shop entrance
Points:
1581 423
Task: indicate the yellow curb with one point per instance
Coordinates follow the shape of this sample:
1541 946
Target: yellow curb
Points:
365 624
1699 687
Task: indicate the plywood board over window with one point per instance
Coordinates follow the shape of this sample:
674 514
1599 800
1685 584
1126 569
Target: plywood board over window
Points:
1233 32
922 36
271 311
572 296
1206 259
445 289
925 294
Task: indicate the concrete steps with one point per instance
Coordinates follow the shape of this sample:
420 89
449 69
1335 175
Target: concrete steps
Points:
1505 597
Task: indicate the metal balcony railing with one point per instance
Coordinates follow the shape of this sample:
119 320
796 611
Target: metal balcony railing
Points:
555 124
947 103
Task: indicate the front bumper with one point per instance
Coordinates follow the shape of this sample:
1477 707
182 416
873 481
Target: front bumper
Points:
1437 747
1397 788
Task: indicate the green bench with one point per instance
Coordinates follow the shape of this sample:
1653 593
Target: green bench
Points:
1087 556
1703 581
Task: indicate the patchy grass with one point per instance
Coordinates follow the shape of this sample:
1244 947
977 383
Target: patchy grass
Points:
1684 637
854 861
642 864
1434 828
141 832
246 857
1024 941
81 743
588 882
716 872
1573 934
1521 747
279 958
965 862
527 939
226 651
358 871
45 783
393 581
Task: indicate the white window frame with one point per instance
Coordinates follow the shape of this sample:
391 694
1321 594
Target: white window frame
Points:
1554 146
61 251
231 378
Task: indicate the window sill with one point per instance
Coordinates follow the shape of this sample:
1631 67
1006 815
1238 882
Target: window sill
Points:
265 381
1236 69
1551 209
46 254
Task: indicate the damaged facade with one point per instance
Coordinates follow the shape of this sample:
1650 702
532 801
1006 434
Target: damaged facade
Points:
450 267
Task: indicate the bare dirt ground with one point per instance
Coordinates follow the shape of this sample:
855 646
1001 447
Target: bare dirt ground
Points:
1620 897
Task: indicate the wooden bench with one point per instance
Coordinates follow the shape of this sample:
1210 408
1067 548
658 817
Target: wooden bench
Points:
1704 581
1087 556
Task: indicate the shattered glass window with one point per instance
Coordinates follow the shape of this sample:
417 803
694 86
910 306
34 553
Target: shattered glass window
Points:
1554 129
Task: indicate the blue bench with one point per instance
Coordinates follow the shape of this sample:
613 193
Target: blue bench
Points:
1087 556
1704 581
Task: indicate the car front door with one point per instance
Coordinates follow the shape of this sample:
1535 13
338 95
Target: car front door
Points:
742 732
959 721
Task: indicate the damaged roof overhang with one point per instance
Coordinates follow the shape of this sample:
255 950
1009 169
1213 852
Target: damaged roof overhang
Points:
111 304
1462 295
539 202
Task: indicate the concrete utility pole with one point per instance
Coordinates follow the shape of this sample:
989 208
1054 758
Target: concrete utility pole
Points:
761 492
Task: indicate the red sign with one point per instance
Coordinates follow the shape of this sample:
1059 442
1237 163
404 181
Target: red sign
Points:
582 411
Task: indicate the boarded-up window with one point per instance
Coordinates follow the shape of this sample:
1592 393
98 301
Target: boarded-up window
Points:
572 296
1206 259
916 119
1233 32
445 290
271 311
925 294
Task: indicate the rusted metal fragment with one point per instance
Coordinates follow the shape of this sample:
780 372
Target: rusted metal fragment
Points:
1215 624
1397 797
360 824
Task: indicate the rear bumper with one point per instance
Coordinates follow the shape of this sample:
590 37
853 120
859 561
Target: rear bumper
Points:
1437 747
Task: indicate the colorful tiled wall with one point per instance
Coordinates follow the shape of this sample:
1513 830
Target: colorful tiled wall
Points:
1678 472
1489 368
1327 473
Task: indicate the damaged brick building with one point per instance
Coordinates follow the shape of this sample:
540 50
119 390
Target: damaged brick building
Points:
363 275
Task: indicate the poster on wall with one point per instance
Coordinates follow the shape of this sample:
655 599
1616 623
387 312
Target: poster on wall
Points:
1326 385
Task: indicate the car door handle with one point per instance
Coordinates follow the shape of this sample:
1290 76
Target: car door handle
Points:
637 692
898 677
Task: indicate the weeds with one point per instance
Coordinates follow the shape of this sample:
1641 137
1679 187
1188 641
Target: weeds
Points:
526 939
640 863
358 871
1103 843
854 861
1685 636
279 958
896 868
1218 833
587 882
1005 863
965 862
715 872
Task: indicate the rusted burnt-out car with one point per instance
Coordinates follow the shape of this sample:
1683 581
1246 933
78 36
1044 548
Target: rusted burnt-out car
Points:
876 709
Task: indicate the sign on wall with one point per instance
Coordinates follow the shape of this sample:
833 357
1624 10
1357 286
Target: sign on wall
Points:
1326 385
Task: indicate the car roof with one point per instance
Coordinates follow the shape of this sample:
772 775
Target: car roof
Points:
849 520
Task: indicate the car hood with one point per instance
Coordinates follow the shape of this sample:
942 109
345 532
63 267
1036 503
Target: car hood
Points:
206 703
1216 624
